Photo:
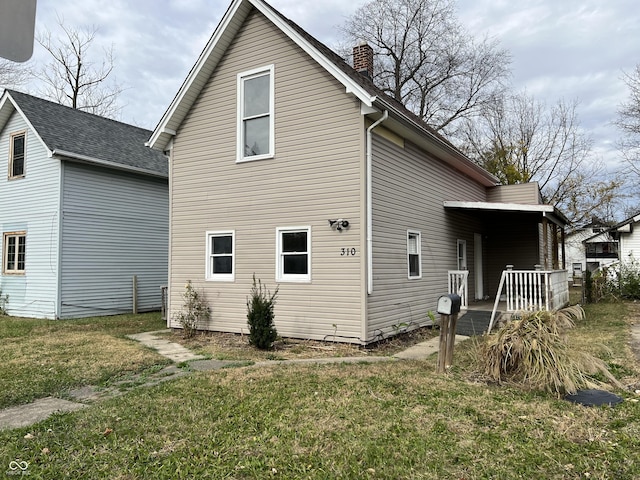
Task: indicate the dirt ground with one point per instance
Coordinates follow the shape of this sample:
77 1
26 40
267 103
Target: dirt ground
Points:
227 346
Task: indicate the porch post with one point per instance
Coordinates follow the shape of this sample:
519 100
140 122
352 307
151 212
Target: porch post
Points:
554 252
545 242
564 251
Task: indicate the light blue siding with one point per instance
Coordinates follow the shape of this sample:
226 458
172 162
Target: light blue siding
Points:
114 226
30 204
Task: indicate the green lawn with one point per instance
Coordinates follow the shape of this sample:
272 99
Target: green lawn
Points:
47 357
397 420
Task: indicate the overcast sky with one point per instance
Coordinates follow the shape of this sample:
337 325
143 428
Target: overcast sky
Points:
560 48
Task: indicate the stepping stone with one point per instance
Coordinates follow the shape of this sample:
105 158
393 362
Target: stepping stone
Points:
25 415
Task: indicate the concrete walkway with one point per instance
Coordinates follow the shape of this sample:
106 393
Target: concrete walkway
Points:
173 351
25 415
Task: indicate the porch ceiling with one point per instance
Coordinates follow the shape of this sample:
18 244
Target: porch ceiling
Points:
540 211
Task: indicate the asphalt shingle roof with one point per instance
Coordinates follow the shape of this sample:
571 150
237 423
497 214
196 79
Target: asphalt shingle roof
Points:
83 134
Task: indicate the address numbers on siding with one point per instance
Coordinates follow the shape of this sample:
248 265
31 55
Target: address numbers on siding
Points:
347 252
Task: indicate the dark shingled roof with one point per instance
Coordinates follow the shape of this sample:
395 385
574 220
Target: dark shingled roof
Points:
82 135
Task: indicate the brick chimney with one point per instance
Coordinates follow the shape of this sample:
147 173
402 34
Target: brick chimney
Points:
363 59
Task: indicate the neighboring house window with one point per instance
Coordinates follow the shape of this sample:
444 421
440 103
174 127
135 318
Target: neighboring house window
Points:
220 256
16 155
14 252
602 250
294 254
414 256
255 114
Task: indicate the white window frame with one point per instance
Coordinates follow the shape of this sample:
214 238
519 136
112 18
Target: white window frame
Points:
462 260
418 234
220 277
288 277
12 137
5 253
266 70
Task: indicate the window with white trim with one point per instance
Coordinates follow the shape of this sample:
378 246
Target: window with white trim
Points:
414 255
293 263
14 249
17 149
255 114
221 256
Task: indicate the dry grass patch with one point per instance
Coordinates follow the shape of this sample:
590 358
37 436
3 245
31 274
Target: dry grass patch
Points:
47 357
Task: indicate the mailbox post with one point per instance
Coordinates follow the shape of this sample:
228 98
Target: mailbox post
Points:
448 308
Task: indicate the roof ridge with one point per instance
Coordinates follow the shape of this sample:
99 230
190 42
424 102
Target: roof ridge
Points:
77 111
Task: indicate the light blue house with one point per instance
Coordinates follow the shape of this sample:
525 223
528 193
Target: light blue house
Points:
83 212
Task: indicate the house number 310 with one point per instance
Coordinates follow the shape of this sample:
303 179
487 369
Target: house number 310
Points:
347 252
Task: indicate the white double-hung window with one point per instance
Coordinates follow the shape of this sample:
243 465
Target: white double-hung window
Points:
255 114
293 263
221 256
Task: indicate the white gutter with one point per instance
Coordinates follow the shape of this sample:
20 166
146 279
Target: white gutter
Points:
105 163
385 115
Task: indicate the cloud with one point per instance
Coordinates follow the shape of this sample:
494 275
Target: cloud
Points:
560 49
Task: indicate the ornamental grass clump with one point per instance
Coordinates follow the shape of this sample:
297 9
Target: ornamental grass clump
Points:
533 351
260 316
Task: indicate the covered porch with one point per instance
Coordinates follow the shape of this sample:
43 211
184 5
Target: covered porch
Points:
513 262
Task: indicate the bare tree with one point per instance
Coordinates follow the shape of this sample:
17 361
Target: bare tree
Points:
73 77
629 121
426 61
13 74
521 140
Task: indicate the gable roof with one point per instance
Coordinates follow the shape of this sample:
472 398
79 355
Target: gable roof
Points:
626 226
374 101
73 134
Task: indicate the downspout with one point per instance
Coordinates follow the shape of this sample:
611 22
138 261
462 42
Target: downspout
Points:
385 115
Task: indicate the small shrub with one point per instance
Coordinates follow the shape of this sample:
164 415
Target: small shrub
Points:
4 299
195 310
617 281
260 316
533 352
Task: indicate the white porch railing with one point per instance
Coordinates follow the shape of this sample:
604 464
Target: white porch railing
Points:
458 285
532 290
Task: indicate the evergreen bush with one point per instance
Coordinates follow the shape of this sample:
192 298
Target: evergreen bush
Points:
260 316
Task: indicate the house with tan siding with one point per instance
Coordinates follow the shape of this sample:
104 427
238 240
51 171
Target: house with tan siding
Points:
289 164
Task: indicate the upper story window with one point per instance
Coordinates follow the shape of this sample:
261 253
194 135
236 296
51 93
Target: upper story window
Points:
14 248
294 254
414 255
220 256
17 154
255 114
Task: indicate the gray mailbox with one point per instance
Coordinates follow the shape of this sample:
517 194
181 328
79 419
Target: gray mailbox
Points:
449 304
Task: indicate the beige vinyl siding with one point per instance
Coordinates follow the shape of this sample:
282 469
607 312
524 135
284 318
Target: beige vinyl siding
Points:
409 188
316 175
524 193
